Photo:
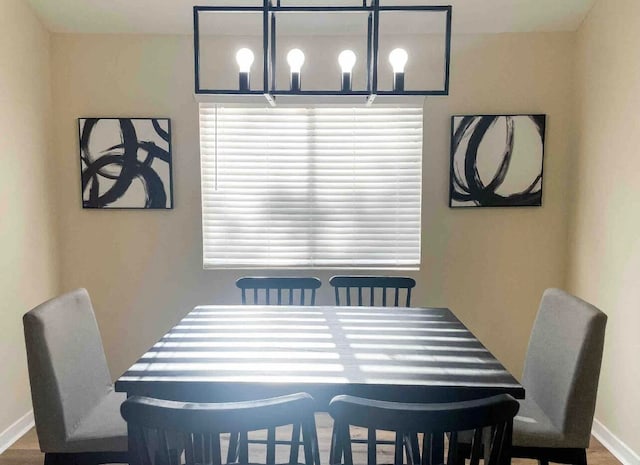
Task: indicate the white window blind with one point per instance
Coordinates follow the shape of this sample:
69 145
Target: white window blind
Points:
311 187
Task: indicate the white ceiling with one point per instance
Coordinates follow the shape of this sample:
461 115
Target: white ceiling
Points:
176 17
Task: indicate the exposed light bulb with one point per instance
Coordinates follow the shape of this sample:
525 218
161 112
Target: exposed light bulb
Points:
398 58
347 60
244 58
295 58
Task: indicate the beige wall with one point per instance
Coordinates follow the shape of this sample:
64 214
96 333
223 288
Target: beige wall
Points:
605 231
143 268
28 264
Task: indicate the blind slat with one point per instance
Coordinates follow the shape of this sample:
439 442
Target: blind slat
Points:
311 187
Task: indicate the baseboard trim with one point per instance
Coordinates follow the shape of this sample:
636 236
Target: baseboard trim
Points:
16 431
618 448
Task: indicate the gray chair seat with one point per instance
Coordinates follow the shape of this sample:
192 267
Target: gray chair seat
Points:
102 429
532 428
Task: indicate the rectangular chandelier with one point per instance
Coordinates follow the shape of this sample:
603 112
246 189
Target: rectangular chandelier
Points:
339 53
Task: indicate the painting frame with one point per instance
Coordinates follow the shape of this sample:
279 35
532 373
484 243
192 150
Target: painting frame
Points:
463 195
158 187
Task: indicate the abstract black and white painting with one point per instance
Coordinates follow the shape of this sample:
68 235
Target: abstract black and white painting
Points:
496 160
126 163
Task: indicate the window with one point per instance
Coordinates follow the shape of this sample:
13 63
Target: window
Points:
311 187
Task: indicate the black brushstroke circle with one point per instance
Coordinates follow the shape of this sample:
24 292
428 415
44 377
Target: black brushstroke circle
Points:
468 186
123 156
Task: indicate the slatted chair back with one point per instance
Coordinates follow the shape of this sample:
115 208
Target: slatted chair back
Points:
490 420
161 428
278 290
372 290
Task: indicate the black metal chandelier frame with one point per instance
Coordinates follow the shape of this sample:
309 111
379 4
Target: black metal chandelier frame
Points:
269 13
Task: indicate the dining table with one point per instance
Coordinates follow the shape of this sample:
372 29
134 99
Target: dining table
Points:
224 353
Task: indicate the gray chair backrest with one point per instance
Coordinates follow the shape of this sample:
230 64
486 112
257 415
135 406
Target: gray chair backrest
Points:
67 366
562 366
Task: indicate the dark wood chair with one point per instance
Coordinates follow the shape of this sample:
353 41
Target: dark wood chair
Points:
490 420
259 290
372 291
278 290
183 433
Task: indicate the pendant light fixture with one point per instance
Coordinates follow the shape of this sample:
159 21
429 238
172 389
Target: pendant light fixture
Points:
347 58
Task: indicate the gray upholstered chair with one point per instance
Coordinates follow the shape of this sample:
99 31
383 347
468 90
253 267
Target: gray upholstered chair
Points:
561 375
77 412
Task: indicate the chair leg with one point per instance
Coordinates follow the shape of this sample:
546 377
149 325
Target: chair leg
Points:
63 459
86 458
412 448
294 452
399 449
309 442
316 443
545 455
437 448
335 449
340 451
50 459
345 439
271 446
460 460
371 446
243 447
581 458
232 452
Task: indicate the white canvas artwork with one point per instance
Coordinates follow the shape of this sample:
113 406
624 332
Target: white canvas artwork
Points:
497 160
126 163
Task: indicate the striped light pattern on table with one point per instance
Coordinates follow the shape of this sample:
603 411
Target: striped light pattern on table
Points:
313 346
